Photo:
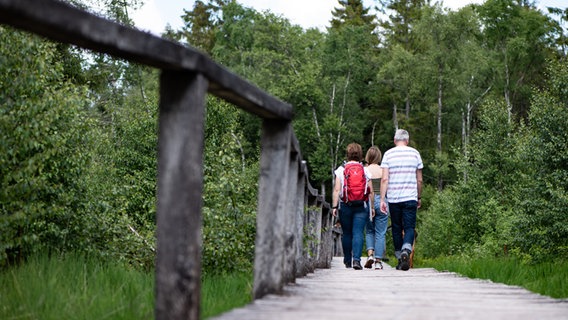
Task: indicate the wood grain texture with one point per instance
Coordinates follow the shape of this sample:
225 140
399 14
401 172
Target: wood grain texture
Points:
273 207
339 294
180 185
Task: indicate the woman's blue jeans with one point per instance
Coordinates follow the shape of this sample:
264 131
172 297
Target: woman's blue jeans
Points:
376 230
403 217
353 220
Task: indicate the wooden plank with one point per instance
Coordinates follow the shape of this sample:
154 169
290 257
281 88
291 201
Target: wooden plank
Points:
339 293
62 22
272 207
180 185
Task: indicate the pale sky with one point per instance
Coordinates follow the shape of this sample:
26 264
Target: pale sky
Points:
155 14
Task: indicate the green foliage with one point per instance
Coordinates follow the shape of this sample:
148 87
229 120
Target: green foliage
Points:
352 13
512 197
199 29
230 194
64 185
42 154
75 287
545 211
520 39
548 278
119 222
221 293
475 215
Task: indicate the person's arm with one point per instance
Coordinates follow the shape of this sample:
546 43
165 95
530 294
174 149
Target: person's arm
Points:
335 196
369 176
371 199
384 185
419 186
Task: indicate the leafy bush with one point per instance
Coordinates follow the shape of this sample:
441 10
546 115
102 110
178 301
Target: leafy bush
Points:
543 232
42 150
513 197
230 194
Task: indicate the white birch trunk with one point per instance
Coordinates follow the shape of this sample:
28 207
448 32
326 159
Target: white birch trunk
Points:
439 118
506 90
394 117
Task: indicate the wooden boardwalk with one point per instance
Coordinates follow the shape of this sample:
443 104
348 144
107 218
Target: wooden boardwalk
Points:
346 294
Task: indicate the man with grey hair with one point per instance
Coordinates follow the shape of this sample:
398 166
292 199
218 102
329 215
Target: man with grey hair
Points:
402 181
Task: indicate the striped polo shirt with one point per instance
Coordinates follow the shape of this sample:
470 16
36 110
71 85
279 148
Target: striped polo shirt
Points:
402 162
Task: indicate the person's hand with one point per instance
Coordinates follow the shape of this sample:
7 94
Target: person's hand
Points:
419 203
373 213
334 212
383 207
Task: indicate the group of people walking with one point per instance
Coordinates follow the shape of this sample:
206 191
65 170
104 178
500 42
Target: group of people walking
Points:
391 186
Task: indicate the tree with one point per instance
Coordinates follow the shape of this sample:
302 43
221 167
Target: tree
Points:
400 45
352 12
514 199
402 15
200 26
43 149
480 212
521 39
349 59
455 61
542 232
562 40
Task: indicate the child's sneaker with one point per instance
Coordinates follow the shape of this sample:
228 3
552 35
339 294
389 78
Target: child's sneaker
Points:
378 265
369 263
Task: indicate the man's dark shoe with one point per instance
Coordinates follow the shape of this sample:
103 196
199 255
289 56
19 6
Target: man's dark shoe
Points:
347 264
404 260
398 265
357 265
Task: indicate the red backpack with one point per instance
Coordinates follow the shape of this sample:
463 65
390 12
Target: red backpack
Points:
355 187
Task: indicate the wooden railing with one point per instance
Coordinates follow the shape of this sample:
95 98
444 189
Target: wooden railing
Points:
293 221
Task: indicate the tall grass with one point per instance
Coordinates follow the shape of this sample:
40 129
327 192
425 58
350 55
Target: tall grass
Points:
220 293
75 287
547 278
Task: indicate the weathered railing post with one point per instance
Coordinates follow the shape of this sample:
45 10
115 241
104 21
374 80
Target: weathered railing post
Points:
290 234
300 212
326 237
180 184
313 227
272 207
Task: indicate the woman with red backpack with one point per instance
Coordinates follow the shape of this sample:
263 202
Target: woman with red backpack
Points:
353 199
